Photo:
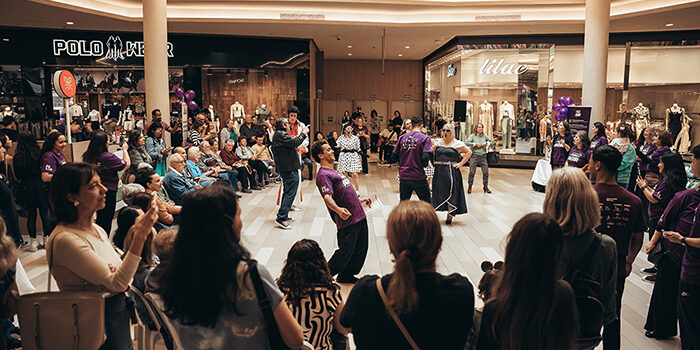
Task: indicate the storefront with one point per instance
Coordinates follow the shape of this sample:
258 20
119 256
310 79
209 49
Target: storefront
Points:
262 75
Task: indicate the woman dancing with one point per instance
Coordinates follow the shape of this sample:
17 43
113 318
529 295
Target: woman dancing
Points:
448 189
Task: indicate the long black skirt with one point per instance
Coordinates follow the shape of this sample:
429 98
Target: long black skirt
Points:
448 190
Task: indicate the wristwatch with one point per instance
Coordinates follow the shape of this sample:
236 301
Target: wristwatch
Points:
683 243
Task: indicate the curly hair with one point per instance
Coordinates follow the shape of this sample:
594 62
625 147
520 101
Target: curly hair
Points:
305 269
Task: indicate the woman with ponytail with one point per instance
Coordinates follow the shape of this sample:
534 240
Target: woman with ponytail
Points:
413 307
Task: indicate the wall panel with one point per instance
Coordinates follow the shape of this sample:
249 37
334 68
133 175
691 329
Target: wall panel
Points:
360 79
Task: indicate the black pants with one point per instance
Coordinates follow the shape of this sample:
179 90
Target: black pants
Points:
259 168
45 221
689 315
663 307
106 215
406 188
118 310
611 331
348 259
385 153
373 140
246 176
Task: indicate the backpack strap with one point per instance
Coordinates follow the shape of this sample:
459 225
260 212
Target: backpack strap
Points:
590 252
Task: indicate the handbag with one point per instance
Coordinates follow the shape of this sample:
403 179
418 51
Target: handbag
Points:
651 179
393 314
61 320
492 157
656 253
273 331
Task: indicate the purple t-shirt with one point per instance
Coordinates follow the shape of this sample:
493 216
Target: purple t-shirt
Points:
690 271
578 158
601 141
621 215
559 152
663 194
678 217
410 146
109 165
331 182
50 162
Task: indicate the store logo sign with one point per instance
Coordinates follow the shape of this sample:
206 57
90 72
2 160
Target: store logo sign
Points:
451 70
495 66
113 49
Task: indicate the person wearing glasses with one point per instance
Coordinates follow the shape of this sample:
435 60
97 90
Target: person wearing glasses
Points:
448 189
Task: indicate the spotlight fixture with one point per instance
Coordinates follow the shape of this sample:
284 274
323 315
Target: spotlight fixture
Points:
669 24
349 54
70 23
408 47
400 55
349 46
5 39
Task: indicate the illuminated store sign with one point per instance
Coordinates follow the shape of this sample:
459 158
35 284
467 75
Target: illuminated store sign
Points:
495 66
113 49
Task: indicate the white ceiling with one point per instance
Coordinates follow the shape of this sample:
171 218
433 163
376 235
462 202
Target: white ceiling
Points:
422 25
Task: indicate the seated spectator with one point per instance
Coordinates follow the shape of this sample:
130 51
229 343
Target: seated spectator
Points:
312 295
229 132
262 153
207 289
151 181
137 153
246 175
176 182
198 175
129 191
573 203
248 130
83 258
244 152
531 308
162 248
436 310
492 273
387 141
210 161
126 217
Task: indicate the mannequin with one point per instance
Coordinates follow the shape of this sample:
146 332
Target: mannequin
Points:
237 112
486 117
84 108
640 114
466 126
682 143
506 115
127 119
75 109
214 118
545 127
94 116
262 113
674 118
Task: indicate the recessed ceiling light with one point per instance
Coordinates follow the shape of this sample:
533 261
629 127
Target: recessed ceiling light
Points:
5 39
400 55
408 47
349 54
669 24
349 46
69 23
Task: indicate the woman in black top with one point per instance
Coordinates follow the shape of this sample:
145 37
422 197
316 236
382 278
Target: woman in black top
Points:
435 309
31 188
531 309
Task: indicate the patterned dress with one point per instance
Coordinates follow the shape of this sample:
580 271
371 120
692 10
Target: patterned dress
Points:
315 313
349 159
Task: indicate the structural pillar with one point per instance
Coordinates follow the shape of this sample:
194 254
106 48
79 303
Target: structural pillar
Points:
155 42
595 58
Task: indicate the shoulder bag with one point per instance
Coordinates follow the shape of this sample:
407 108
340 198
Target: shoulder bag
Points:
61 320
393 314
273 331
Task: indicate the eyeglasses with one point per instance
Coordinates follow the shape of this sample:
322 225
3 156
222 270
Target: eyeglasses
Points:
446 130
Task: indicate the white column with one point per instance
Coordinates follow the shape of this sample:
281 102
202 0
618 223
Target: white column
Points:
595 57
155 41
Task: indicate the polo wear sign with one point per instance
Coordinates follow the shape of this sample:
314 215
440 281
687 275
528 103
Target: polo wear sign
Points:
114 48
64 83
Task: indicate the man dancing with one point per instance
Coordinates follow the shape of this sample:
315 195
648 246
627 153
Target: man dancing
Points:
346 211
413 151
288 165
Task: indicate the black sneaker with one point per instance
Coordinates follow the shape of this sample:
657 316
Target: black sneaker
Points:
650 270
255 188
649 279
245 190
347 279
289 219
283 225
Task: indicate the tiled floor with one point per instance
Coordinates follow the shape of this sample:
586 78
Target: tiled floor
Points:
471 239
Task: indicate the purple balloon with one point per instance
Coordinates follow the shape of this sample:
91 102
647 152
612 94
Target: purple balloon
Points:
557 107
180 92
189 95
564 111
192 105
558 117
569 101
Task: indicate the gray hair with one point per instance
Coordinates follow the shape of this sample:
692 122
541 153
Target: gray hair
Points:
129 191
173 157
230 142
163 244
192 151
144 165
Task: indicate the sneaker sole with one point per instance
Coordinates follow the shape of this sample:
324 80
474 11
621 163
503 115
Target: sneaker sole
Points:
284 227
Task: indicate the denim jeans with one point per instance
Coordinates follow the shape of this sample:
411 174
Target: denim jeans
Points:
231 176
290 181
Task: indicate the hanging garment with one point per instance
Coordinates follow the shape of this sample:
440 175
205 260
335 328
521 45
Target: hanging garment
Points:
486 118
507 129
237 111
682 144
674 123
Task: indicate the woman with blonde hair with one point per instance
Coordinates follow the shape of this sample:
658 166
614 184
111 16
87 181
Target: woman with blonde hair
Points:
573 203
415 306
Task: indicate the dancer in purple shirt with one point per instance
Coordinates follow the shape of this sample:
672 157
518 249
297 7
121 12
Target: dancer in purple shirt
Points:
413 152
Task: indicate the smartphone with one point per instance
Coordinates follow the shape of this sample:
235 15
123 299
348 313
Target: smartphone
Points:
153 200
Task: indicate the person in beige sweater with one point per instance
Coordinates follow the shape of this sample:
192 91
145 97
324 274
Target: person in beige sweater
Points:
80 254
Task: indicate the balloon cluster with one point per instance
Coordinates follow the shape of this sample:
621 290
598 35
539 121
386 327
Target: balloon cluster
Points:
562 107
188 98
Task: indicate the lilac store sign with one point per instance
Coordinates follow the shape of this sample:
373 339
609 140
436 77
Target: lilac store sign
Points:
496 66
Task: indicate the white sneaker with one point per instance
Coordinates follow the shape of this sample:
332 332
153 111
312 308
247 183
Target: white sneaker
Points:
294 208
33 245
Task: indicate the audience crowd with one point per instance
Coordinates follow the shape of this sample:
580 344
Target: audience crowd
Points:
178 240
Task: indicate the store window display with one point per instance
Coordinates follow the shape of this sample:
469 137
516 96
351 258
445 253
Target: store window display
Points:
467 125
237 113
641 117
486 117
507 118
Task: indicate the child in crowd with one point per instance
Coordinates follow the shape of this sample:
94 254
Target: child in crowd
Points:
312 296
488 280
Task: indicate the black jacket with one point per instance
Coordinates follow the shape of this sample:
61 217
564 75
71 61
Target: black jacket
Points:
284 150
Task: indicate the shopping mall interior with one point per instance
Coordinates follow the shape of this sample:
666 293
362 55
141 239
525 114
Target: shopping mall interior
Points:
159 140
